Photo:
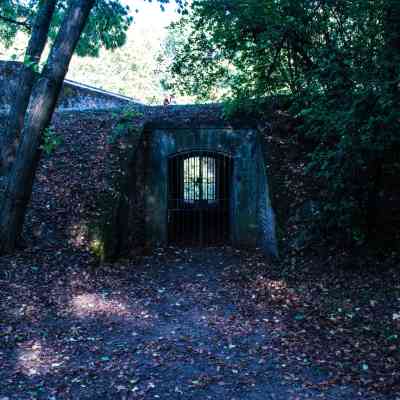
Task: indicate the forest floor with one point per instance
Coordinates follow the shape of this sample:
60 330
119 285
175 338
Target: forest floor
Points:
194 324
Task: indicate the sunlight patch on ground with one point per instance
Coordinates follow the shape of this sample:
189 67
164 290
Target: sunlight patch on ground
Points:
91 303
96 305
36 359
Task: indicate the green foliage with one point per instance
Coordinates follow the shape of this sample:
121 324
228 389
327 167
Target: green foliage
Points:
14 11
50 141
126 125
31 64
106 27
131 70
129 113
340 63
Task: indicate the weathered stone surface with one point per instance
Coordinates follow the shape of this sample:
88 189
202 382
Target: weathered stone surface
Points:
143 146
74 96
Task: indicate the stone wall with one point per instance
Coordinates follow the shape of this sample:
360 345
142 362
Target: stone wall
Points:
139 215
123 221
74 96
266 219
238 144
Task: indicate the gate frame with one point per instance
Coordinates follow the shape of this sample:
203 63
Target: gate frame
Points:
200 151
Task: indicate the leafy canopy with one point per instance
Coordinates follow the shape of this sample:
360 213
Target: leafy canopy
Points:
107 25
340 63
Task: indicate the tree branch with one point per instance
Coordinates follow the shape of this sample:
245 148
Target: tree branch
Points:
13 21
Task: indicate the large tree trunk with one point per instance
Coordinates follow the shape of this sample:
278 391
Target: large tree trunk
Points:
19 187
10 139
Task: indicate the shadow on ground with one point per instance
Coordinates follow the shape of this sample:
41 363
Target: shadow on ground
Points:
178 324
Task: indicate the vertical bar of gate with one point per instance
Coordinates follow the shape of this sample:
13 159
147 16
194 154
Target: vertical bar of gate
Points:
172 190
192 195
205 200
226 160
217 195
211 198
219 204
192 182
223 159
169 199
200 160
216 200
180 178
175 194
198 198
193 212
181 196
185 192
210 186
208 201
178 206
178 196
228 196
171 196
173 202
223 216
221 197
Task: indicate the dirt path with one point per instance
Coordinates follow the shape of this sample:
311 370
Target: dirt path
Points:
178 325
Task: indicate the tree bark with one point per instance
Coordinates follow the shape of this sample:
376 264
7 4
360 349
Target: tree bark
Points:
19 186
10 140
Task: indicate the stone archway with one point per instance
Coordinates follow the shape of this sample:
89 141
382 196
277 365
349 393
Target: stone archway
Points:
141 213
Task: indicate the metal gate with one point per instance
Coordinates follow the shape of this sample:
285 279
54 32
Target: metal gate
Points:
198 198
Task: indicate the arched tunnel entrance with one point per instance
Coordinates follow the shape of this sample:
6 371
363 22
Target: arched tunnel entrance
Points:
189 177
199 193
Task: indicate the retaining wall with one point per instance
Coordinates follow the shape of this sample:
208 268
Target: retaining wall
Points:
74 96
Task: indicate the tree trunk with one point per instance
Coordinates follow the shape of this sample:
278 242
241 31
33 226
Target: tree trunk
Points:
10 140
19 187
